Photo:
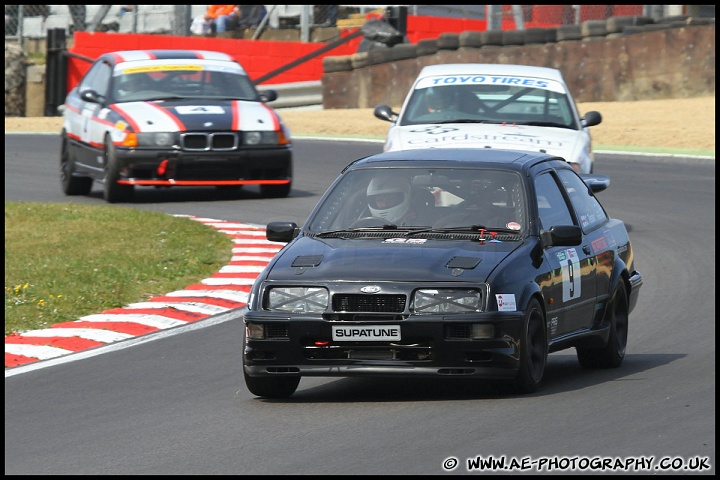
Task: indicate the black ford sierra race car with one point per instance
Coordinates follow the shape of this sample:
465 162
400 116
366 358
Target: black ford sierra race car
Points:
169 118
443 263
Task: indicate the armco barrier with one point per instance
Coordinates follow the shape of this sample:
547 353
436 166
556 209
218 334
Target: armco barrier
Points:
296 94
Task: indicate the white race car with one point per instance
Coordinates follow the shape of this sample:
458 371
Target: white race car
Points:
171 118
517 107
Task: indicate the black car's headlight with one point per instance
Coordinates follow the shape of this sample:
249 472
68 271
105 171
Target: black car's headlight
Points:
154 139
260 138
297 299
446 300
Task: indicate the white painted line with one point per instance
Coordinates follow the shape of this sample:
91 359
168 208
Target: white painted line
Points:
184 306
157 321
105 336
42 352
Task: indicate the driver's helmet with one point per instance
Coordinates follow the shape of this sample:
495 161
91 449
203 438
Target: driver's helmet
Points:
135 82
389 198
438 99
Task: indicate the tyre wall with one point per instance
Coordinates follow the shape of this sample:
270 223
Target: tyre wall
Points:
621 59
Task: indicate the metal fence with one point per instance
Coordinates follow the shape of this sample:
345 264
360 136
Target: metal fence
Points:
34 21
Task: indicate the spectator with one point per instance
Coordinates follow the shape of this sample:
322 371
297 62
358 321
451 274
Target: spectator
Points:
125 9
328 16
246 16
217 16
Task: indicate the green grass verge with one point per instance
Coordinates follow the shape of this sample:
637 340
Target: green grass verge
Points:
64 261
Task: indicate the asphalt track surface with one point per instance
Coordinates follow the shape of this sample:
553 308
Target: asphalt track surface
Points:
173 401
222 292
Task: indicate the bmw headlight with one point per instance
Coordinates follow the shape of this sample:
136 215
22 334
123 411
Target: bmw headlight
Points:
446 300
156 139
297 299
261 138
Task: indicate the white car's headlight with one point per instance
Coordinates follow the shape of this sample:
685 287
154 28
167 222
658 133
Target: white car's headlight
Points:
156 139
297 299
446 300
261 138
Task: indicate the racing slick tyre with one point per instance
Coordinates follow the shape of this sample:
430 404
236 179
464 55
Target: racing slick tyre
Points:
533 350
114 192
275 191
71 185
613 353
272 387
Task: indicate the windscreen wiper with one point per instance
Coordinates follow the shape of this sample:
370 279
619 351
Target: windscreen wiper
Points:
374 228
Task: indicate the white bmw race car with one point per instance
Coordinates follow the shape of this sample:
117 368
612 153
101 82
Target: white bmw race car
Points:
171 118
516 107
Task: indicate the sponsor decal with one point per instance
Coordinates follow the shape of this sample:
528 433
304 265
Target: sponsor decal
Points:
486 139
552 325
408 241
163 68
610 238
508 80
506 302
366 333
599 244
199 109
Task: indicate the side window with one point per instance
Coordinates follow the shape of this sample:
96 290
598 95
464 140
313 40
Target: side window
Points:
97 78
589 211
101 82
552 208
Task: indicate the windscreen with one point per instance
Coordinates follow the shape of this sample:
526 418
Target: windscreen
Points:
484 99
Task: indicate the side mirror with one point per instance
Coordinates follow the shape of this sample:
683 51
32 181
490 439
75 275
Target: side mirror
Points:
561 236
591 118
268 96
384 112
90 95
281 231
596 182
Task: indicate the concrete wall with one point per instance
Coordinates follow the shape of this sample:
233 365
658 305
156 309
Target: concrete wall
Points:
637 63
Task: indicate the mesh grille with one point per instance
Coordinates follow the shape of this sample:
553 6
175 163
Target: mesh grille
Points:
276 331
369 303
458 332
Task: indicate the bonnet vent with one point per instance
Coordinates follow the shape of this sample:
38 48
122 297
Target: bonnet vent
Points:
307 261
463 262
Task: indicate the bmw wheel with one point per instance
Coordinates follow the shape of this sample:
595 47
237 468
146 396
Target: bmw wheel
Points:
113 191
533 350
71 184
613 353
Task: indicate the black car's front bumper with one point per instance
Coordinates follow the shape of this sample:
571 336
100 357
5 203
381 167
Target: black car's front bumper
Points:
264 166
430 347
